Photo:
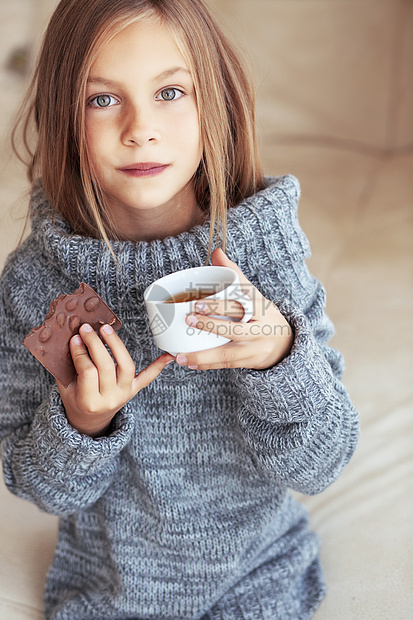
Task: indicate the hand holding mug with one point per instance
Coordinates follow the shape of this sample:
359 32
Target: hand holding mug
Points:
172 298
260 343
232 327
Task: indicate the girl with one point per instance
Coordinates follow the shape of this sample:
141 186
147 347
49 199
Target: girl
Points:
172 483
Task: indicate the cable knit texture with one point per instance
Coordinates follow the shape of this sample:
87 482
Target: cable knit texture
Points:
183 511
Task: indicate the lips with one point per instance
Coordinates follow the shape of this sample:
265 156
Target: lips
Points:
144 168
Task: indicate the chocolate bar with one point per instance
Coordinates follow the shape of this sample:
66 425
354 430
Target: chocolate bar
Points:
49 342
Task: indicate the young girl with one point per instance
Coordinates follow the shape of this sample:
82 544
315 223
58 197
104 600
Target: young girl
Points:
171 480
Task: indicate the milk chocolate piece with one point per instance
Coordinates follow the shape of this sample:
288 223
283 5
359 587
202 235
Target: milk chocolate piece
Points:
49 342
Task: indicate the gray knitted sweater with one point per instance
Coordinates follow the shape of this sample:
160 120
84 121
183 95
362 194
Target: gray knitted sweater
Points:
183 511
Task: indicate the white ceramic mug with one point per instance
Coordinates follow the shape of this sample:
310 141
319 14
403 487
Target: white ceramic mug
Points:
167 317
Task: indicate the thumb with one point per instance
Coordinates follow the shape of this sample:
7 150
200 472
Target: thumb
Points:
148 374
219 258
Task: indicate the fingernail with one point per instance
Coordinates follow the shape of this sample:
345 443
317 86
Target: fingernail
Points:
193 367
86 328
182 360
191 319
77 340
201 306
107 329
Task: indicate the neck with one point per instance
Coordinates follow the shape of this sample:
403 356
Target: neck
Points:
168 220
151 225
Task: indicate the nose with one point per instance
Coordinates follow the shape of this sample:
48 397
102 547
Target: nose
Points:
139 127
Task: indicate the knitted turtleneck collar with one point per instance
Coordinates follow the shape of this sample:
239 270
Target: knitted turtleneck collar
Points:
87 259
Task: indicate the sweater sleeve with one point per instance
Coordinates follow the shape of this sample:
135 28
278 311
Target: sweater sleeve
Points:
297 416
45 460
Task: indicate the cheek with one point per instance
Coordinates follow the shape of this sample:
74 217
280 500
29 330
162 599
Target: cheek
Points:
97 146
188 136
97 133
185 125
90 138
94 158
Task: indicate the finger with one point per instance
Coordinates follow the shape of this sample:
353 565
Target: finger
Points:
233 330
148 374
86 370
221 364
125 367
100 357
232 355
223 307
218 257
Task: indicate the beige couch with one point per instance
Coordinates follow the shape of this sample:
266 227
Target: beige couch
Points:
336 109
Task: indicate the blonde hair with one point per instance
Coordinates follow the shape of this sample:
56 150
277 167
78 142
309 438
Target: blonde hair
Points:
230 168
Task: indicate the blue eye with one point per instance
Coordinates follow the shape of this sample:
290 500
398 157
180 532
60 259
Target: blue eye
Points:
169 94
103 101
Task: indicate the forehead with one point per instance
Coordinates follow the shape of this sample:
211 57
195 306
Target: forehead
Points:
146 47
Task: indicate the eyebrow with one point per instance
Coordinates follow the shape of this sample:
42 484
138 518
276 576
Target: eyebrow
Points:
169 72
162 76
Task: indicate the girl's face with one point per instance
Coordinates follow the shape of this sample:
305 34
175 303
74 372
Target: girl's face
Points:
142 131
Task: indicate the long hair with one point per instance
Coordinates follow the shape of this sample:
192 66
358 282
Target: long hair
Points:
230 169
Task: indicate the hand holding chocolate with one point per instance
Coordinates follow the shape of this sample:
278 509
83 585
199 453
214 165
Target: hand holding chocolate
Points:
49 342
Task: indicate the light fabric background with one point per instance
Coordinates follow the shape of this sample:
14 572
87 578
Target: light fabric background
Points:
335 108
